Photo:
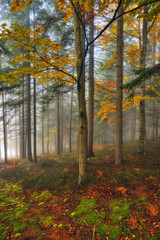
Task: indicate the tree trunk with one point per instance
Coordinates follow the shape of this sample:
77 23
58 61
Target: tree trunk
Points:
153 119
35 123
16 130
91 85
157 118
61 122
34 103
4 126
79 40
153 101
42 121
142 134
119 93
29 118
23 124
70 122
58 125
20 131
133 124
48 127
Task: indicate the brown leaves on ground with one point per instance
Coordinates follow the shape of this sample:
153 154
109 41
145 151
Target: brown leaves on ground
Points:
153 210
136 182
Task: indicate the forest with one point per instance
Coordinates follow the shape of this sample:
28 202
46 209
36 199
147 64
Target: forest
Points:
79 113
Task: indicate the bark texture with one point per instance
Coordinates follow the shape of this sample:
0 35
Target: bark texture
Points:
70 122
4 126
91 85
119 94
35 123
42 120
79 39
58 124
29 152
142 134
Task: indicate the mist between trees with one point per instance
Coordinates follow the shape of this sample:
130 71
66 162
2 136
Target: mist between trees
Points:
62 59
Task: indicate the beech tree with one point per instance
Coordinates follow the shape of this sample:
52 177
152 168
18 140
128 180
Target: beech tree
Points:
119 93
91 84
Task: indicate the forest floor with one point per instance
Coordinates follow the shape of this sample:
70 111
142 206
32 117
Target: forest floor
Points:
43 201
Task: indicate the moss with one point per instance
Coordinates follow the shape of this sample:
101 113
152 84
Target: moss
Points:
45 195
112 232
90 215
120 210
85 205
46 221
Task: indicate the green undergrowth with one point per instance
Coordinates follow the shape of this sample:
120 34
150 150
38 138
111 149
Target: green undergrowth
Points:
12 208
119 210
117 199
48 173
87 213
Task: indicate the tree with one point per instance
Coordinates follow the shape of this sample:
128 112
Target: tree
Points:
91 84
4 126
79 39
119 94
58 124
70 122
142 102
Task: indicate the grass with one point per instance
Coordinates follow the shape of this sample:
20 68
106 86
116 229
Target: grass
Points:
43 202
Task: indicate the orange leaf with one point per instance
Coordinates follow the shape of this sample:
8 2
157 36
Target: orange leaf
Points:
122 190
100 173
65 170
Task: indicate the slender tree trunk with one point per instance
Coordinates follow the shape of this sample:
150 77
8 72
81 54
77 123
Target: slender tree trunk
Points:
61 122
79 39
34 103
70 122
28 78
91 85
29 118
142 134
153 119
48 141
4 126
153 101
35 122
48 127
58 125
42 121
16 135
133 124
20 132
157 118
23 123
119 93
